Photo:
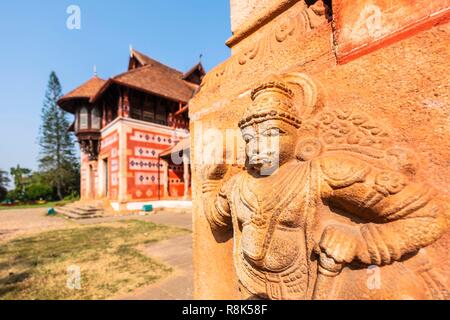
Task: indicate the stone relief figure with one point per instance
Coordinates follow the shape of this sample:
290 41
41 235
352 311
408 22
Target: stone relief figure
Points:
326 207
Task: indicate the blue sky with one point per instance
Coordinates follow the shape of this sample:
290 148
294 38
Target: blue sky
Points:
35 40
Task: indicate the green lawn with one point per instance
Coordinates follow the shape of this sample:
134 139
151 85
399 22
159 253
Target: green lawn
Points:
30 206
108 256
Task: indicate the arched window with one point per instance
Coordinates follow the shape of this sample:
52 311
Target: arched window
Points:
84 114
95 118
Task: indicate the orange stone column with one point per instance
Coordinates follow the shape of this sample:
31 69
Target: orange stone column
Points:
386 59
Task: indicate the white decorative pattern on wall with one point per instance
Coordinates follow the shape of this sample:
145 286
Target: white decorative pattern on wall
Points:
150 137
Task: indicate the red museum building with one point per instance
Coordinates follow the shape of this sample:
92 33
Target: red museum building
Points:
128 126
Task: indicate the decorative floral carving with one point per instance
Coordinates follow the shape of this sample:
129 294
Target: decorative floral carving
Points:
90 147
308 149
389 182
347 126
294 25
249 54
284 29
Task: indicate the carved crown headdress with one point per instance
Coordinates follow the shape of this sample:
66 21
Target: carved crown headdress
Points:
275 99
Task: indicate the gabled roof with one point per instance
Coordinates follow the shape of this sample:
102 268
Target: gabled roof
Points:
153 77
141 58
197 68
86 91
195 74
148 75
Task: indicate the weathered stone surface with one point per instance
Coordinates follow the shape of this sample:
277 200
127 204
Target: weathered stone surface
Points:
363 26
242 10
378 123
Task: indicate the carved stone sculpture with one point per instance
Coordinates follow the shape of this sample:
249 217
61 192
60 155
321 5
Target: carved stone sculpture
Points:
324 199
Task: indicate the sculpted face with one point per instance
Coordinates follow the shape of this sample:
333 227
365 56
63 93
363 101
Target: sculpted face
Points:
269 128
269 145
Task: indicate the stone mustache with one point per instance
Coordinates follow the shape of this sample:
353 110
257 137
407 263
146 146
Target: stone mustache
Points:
325 204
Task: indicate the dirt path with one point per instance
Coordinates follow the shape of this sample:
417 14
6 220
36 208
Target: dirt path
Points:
177 253
17 222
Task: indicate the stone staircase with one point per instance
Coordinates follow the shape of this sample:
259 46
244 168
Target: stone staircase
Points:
82 210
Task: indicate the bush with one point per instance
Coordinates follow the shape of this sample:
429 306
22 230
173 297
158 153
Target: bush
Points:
73 196
3 193
15 195
38 192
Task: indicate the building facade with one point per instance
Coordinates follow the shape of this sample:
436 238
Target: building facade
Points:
125 124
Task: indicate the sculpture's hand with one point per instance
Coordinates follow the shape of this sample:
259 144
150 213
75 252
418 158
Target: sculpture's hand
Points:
213 176
217 171
342 243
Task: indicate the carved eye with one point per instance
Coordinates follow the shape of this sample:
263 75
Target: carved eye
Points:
247 137
273 132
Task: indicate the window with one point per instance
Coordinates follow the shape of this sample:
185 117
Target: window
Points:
136 102
135 112
84 114
149 111
95 118
161 117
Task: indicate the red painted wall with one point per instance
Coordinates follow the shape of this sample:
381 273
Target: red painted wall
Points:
144 171
110 149
84 174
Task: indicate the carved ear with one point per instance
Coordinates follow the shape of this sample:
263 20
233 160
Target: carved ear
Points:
310 93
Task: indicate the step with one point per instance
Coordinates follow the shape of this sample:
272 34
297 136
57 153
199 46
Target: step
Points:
77 211
74 213
79 217
82 210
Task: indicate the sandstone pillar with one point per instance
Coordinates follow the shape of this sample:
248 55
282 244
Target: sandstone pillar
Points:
387 62
186 175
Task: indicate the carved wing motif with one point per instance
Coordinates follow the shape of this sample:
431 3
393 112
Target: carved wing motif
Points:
353 132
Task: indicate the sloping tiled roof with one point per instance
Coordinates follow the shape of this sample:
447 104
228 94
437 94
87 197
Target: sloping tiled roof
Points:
198 67
154 78
142 58
86 91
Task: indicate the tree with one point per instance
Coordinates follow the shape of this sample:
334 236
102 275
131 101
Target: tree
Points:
3 193
37 188
4 179
57 161
21 178
38 191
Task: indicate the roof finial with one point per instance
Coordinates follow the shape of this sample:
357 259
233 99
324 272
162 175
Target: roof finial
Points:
95 70
131 51
200 58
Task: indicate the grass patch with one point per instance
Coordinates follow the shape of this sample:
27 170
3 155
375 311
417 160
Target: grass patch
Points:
50 204
107 254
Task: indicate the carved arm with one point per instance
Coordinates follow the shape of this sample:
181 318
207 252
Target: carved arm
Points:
401 216
217 209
